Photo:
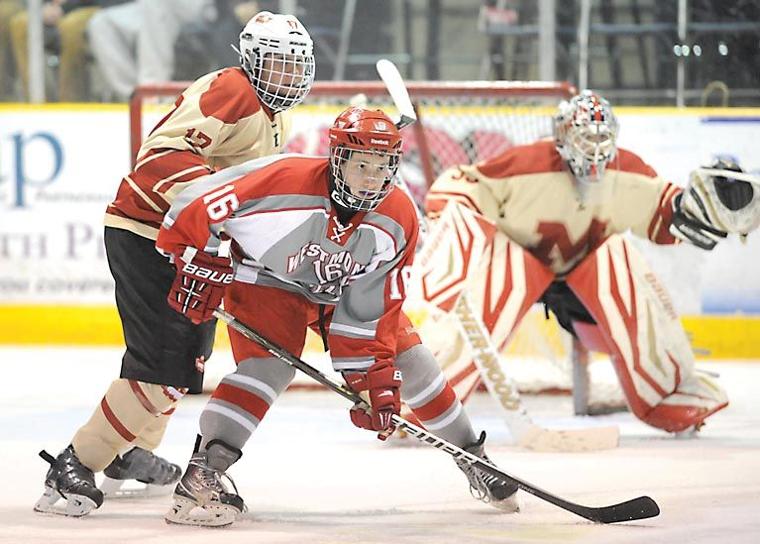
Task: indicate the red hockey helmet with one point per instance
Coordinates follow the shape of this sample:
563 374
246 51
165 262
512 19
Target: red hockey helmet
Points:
365 149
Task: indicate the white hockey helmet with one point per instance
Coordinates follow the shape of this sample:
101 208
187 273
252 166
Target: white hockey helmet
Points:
585 133
277 53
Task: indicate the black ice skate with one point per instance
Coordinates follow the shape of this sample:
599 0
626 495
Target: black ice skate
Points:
70 480
156 473
484 486
201 498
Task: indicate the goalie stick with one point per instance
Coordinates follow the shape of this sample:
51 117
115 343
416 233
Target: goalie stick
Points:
639 508
526 433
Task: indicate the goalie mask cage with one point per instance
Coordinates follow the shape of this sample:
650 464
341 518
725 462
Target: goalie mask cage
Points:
459 122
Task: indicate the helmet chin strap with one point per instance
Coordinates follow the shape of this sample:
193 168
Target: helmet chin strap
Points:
343 212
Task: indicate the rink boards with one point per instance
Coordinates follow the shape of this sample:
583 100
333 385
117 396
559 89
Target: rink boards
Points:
60 166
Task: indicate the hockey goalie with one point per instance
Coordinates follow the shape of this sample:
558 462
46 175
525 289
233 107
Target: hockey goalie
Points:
551 218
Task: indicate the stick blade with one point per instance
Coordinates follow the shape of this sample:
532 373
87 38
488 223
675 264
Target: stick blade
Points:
634 509
396 88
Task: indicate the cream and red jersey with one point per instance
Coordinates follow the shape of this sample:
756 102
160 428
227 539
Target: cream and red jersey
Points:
529 192
216 122
285 233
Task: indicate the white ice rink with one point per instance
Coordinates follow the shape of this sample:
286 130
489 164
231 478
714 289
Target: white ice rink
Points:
308 475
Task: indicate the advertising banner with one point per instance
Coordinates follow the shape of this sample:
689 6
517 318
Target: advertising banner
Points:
59 168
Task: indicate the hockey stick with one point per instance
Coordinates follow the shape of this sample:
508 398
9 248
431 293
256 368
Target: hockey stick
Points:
634 509
527 434
396 88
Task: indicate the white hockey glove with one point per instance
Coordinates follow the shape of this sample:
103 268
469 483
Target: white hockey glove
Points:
718 200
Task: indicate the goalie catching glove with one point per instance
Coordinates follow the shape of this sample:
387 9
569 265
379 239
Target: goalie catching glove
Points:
381 384
719 199
200 284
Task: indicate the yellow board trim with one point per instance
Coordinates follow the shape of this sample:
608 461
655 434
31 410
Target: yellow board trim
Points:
713 336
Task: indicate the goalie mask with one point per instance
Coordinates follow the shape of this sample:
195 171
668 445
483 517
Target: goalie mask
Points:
724 197
365 149
585 133
277 54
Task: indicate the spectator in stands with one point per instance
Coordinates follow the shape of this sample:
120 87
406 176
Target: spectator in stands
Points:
205 46
64 22
134 43
8 8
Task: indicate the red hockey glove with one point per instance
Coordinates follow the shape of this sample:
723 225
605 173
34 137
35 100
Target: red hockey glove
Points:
200 284
381 382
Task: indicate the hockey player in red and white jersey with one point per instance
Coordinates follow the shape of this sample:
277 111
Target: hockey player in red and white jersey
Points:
224 118
559 208
316 242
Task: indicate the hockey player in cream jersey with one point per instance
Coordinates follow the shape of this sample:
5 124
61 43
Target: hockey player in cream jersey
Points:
224 118
320 243
559 208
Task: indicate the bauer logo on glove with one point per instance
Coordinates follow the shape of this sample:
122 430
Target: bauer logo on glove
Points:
200 284
207 274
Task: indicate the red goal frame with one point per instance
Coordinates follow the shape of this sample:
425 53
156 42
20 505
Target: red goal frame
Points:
419 91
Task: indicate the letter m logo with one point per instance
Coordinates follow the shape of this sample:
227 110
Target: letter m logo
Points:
555 246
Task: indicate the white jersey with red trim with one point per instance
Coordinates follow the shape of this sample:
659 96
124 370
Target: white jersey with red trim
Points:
285 234
531 196
216 122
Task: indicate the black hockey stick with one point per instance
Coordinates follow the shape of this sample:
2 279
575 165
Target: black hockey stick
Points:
638 508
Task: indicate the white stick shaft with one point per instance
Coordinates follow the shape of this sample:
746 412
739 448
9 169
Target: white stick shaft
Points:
396 88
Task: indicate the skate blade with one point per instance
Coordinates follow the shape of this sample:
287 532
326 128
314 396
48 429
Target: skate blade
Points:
132 489
75 506
185 512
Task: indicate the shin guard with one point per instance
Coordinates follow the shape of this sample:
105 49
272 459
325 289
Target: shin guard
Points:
129 410
507 281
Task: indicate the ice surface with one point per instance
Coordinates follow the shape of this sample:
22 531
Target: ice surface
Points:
308 475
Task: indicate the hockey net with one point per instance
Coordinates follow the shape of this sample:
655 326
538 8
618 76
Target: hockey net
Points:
459 123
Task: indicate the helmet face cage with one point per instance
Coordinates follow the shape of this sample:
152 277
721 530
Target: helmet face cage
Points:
277 54
585 133
341 157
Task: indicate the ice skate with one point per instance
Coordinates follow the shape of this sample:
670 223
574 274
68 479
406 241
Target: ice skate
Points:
155 474
70 480
202 499
485 487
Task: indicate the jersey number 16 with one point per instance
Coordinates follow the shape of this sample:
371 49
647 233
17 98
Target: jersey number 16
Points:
221 203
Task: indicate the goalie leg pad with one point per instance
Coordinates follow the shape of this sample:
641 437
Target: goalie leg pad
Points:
442 270
509 280
650 350
449 261
128 408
